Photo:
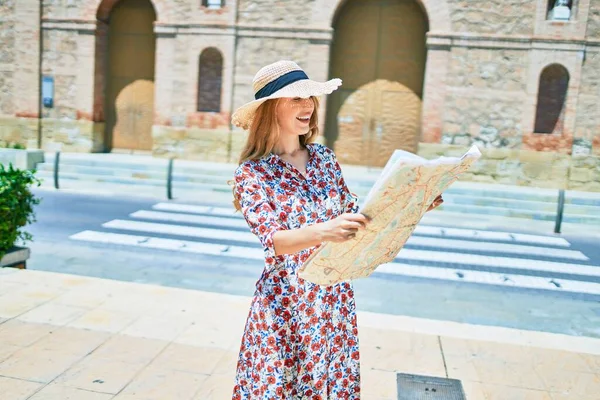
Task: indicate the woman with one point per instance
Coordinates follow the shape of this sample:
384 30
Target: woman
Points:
300 339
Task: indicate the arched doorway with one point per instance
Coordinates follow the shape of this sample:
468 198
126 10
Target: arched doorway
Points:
380 42
129 100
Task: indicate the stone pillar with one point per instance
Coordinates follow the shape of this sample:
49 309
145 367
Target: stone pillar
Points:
434 91
164 74
26 78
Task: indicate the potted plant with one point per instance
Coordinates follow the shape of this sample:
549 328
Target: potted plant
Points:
19 156
16 211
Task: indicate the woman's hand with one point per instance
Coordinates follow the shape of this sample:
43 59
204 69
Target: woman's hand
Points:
342 228
436 203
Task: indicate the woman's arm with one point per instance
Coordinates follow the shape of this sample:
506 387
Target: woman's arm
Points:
339 229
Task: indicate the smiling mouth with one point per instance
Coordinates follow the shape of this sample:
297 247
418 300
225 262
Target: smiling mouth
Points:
303 119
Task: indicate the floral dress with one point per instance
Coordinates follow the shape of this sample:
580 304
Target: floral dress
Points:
300 339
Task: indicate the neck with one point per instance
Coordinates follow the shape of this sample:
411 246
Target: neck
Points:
287 145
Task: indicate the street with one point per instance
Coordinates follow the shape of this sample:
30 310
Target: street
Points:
515 279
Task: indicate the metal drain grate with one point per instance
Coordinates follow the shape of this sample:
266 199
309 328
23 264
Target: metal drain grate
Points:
419 387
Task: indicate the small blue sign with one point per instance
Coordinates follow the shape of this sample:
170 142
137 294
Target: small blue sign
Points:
48 91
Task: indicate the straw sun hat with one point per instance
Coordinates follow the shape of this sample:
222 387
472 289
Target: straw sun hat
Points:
277 80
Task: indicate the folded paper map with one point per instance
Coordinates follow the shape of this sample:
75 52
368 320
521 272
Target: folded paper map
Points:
398 200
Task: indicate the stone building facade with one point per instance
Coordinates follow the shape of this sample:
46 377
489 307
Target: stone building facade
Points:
519 78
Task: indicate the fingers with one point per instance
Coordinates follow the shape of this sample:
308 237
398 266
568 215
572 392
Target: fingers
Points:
360 218
351 225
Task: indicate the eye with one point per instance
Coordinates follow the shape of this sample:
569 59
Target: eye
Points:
297 98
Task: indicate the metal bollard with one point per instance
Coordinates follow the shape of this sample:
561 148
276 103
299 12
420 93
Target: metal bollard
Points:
56 164
559 210
170 179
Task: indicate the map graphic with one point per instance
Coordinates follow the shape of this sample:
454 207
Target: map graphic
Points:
398 200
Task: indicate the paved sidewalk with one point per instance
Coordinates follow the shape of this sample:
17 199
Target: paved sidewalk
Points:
67 337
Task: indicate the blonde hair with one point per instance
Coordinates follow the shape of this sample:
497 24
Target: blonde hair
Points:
264 134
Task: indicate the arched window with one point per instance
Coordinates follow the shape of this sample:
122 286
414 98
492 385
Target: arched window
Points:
210 74
552 95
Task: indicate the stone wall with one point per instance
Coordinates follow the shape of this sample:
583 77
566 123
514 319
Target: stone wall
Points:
198 144
510 17
485 93
269 12
593 25
587 123
525 168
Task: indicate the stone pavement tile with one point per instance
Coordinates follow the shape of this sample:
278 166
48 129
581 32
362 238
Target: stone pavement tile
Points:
564 360
160 328
396 339
72 341
376 384
89 296
216 387
60 392
499 392
569 396
401 351
462 368
227 363
427 363
213 334
593 362
100 375
9 287
128 349
491 351
52 313
7 350
37 365
472 390
507 374
17 389
157 383
197 360
106 320
576 383
23 334
14 305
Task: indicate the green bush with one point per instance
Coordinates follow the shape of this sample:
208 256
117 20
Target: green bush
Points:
16 205
17 146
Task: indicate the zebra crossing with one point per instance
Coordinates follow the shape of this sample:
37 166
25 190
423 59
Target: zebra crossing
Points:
500 259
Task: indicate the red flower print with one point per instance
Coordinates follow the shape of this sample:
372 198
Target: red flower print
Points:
319 385
289 363
310 311
283 274
355 355
285 301
271 380
277 290
311 297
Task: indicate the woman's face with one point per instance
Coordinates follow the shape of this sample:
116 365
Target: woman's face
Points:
293 115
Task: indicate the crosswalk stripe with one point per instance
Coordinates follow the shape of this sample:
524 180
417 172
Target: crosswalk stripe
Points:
497 262
401 269
249 237
496 247
190 218
490 278
206 233
405 253
421 229
188 246
194 209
